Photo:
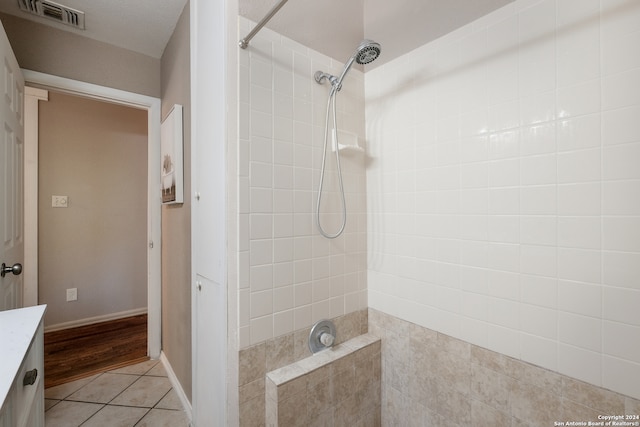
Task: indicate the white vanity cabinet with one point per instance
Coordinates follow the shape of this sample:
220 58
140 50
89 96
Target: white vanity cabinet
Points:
22 367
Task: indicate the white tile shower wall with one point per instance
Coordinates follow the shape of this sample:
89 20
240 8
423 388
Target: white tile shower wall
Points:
289 276
504 184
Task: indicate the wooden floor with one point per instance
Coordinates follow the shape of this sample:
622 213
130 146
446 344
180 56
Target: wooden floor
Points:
80 352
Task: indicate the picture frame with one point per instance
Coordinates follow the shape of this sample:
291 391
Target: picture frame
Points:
171 157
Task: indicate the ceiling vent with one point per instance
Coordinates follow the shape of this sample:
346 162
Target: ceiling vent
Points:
54 11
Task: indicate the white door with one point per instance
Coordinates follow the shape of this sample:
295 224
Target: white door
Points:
11 176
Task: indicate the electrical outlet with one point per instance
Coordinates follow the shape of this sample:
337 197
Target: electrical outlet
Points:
72 294
59 201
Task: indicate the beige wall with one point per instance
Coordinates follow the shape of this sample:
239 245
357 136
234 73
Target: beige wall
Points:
42 48
176 219
96 154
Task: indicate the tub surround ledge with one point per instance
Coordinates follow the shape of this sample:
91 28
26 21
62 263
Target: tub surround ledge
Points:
337 386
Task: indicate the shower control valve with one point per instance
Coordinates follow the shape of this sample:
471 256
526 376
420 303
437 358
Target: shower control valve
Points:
322 336
327 339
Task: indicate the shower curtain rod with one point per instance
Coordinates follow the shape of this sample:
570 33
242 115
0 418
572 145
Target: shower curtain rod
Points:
245 41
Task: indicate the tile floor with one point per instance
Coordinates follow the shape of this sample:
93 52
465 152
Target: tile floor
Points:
138 395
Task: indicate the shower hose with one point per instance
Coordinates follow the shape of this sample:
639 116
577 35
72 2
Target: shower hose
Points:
331 106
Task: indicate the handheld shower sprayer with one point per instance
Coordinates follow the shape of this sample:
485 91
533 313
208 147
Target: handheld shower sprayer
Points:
366 52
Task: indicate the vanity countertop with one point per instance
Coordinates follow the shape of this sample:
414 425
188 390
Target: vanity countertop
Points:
17 329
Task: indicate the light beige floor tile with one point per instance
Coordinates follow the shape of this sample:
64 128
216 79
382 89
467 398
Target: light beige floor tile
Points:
50 403
157 371
116 416
137 369
104 388
164 418
64 390
170 401
145 392
70 414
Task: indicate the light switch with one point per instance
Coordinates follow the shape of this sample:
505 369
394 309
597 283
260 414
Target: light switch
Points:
59 201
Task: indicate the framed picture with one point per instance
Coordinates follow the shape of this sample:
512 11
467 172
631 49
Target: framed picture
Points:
171 147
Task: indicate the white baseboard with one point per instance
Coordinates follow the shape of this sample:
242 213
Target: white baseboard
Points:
176 385
96 319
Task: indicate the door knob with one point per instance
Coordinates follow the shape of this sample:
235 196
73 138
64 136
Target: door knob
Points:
16 269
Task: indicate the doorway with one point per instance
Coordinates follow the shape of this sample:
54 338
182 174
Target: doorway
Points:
92 219
152 242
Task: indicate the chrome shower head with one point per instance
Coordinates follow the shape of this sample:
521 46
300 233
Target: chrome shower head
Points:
367 52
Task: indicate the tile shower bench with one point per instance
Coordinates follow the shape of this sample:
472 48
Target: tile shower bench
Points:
337 386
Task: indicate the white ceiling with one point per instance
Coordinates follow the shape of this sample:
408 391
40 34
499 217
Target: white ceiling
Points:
336 27
332 27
